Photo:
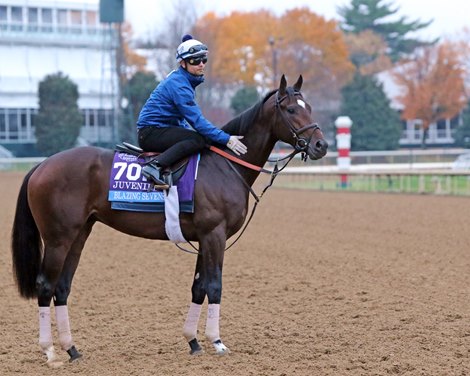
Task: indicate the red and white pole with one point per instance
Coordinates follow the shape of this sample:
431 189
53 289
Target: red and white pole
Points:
343 144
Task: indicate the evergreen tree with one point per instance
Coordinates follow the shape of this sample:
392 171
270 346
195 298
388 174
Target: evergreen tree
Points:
244 99
59 119
462 133
376 126
375 15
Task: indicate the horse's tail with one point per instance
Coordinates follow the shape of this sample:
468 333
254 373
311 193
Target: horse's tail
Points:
26 244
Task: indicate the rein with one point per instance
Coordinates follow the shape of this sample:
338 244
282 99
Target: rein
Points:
301 146
229 158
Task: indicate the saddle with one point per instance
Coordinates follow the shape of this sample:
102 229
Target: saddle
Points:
175 171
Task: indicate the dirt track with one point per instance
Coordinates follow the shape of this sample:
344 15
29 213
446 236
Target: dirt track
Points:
320 284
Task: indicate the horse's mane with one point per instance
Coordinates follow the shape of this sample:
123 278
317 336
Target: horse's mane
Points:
240 124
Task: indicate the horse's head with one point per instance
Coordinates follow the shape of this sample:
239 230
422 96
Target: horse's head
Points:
295 125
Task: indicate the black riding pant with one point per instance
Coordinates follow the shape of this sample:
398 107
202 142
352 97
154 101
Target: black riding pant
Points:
174 143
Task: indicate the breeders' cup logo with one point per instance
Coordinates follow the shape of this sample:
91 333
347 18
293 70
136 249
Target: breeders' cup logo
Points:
127 157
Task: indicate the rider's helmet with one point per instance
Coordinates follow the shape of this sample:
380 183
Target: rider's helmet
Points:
190 47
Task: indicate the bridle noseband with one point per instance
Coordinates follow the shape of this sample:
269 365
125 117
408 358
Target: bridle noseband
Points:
301 143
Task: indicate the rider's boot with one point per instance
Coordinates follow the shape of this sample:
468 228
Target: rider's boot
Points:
153 173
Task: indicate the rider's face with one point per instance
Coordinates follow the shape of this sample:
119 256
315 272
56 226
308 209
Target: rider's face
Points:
197 70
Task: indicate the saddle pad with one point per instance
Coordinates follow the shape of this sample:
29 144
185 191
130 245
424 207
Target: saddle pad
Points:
129 189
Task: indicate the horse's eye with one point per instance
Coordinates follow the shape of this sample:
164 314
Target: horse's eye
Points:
290 110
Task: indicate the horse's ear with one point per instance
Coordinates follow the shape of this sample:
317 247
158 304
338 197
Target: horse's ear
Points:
283 86
298 84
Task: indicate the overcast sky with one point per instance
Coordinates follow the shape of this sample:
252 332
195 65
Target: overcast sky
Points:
450 16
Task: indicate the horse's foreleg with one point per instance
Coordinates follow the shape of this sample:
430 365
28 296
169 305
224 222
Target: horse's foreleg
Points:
213 259
192 319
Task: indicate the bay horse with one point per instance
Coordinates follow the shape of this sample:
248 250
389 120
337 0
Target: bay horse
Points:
61 199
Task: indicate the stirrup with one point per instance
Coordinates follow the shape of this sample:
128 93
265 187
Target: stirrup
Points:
152 173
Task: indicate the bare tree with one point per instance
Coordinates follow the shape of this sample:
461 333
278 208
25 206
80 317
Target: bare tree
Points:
179 20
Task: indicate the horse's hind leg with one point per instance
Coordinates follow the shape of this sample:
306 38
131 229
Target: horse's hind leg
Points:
62 291
54 257
58 267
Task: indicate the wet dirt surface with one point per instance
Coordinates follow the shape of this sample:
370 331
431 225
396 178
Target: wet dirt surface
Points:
320 284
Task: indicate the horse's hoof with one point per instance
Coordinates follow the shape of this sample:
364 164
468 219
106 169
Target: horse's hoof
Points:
196 348
196 352
54 363
74 354
220 348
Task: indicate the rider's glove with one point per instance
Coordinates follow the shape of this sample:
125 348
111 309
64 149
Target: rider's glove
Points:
236 145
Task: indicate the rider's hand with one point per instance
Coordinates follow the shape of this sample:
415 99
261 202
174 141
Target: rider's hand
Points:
236 145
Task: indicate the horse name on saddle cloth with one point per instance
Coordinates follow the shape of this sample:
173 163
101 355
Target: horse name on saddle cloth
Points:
129 189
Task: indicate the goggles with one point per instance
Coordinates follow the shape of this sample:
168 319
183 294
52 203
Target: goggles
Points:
197 48
197 60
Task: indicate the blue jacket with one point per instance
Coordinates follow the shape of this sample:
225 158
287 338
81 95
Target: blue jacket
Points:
172 103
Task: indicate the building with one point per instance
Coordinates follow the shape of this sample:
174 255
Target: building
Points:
439 133
42 37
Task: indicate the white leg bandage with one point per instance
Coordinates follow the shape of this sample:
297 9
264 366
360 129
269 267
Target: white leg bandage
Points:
45 331
63 327
190 325
212 323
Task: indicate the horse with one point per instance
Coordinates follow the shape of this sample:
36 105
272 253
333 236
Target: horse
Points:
62 198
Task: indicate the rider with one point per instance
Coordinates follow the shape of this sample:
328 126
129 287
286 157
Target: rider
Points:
171 122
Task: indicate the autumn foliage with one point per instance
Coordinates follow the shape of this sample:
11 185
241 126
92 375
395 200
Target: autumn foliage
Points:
433 85
302 42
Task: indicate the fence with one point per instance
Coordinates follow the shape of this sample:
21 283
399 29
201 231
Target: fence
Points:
434 176
393 180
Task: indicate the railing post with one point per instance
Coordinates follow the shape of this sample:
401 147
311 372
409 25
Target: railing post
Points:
343 144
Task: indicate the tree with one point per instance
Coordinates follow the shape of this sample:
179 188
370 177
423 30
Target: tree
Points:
243 53
136 93
244 99
250 48
434 85
368 52
462 133
59 120
132 61
375 15
376 126
180 19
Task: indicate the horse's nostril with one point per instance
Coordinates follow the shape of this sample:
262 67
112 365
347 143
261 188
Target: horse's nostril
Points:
321 144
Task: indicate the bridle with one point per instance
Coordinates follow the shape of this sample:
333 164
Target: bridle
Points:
301 143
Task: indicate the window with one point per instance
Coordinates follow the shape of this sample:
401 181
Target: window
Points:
91 118
3 123
441 128
46 16
90 18
76 17
13 124
16 18
3 13
454 122
76 21
17 14
62 17
33 19
3 17
46 19
103 117
33 15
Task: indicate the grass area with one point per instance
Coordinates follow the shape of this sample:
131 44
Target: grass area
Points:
420 184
